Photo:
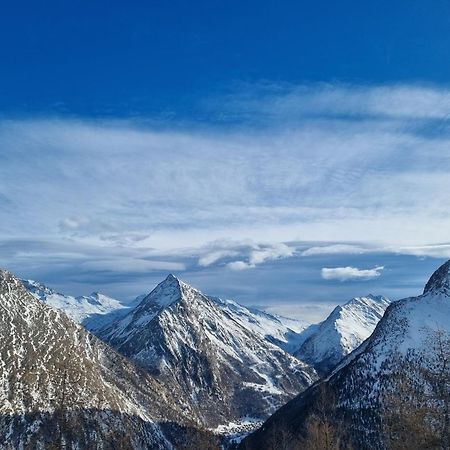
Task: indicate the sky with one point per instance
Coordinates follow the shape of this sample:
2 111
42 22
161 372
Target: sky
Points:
288 155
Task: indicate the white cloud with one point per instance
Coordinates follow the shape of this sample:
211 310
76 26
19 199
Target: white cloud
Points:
240 265
271 252
244 254
434 251
348 180
269 101
214 256
261 253
350 273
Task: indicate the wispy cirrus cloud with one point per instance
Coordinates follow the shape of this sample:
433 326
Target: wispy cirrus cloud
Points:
339 249
433 250
365 167
350 273
269 101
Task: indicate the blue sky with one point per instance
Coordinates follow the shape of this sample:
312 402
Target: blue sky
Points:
287 155
102 58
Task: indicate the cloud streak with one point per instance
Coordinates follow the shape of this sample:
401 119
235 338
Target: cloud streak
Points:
250 253
310 184
271 102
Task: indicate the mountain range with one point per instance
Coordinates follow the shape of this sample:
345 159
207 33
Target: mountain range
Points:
393 391
322 345
180 367
234 363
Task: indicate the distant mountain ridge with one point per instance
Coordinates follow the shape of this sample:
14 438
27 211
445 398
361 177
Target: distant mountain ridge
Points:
92 311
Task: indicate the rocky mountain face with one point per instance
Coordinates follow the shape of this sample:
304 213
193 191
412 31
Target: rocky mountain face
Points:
343 331
204 350
61 387
404 362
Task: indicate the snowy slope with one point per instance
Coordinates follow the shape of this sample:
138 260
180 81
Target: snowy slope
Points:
60 387
200 350
281 331
361 379
92 311
344 330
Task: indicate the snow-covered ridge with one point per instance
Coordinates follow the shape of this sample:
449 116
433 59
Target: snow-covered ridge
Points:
322 345
342 331
281 331
92 311
97 310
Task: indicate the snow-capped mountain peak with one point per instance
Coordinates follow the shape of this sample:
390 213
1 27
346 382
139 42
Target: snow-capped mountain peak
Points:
200 348
170 290
368 299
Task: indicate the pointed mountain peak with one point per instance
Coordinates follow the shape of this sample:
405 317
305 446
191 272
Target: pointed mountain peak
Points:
439 283
170 290
171 279
171 282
